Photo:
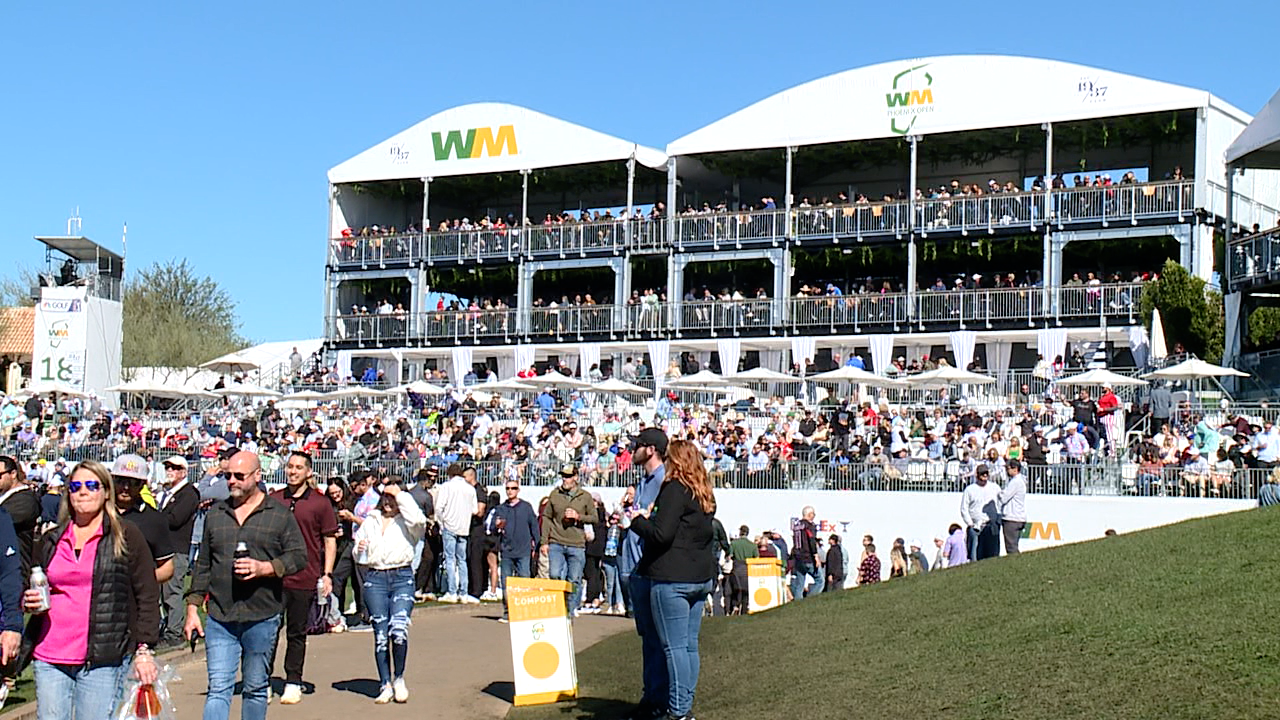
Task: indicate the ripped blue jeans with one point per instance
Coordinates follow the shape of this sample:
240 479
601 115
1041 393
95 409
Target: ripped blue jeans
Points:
388 594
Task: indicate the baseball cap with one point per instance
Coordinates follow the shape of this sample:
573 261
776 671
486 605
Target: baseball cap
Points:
652 437
227 452
177 461
915 544
130 466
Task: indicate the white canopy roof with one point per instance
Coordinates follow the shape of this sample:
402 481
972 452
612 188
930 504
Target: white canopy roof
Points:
935 95
483 138
1258 145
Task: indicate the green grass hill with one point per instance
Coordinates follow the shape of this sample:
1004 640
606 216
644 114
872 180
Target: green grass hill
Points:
1175 622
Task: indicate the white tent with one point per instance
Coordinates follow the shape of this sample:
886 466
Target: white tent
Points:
357 391
850 374
1258 146
510 385
46 387
246 390
700 378
762 375
556 379
1101 376
1159 350
1194 369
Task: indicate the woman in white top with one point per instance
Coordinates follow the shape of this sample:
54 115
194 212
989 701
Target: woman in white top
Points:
384 546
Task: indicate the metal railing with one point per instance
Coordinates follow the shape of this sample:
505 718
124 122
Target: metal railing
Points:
1254 258
1246 212
964 214
1117 303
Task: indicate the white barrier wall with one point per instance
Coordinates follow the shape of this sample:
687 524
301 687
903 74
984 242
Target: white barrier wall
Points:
1052 519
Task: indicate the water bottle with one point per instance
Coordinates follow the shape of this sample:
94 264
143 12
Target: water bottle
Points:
242 551
321 598
40 584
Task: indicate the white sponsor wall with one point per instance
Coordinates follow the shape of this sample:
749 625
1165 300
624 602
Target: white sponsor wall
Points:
1054 519
77 341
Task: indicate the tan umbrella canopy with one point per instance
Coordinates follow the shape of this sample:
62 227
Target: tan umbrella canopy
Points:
615 386
230 363
1194 369
1102 376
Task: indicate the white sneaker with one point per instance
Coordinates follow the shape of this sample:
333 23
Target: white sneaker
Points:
351 608
429 597
401 691
469 600
4 693
292 694
385 696
271 694
497 594
449 598
504 621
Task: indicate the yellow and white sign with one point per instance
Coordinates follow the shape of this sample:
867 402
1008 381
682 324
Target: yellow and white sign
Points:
765 587
541 641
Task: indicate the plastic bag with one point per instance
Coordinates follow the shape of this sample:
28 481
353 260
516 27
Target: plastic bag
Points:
148 702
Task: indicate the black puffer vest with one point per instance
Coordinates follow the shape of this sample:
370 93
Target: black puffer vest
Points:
111 605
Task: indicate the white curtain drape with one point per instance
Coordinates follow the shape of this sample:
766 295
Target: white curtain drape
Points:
1139 345
588 355
507 363
772 360
344 364
803 350
659 359
523 356
730 350
963 343
1051 343
881 353
461 363
998 356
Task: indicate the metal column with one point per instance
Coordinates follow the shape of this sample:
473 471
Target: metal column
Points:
524 197
1046 270
426 204
631 196
791 152
911 228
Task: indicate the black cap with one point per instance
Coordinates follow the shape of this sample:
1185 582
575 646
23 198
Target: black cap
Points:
982 470
227 452
652 437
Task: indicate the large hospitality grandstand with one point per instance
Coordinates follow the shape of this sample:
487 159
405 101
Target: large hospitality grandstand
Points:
971 206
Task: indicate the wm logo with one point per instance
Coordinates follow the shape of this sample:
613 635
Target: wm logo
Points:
463 144
1041 531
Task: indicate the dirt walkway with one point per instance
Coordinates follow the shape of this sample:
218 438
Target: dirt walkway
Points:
459 667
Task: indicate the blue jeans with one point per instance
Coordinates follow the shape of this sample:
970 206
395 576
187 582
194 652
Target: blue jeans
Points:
612 587
245 646
654 663
677 613
803 571
455 562
517 566
389 596
64 691
566 563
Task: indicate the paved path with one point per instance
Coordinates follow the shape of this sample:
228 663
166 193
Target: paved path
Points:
459 667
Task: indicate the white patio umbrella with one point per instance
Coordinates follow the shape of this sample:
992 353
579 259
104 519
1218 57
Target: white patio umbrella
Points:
1101 376
230 363
357 391
851 374
247 390
760 375
1158 348
307 395
946 376
615 386
1194 369
555 379
509 386
702 377
417 387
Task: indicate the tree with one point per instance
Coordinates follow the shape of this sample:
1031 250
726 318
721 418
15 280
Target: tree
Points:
1192 315
15 289
1264 327
173 318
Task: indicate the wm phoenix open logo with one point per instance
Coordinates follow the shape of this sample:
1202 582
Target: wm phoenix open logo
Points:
912 95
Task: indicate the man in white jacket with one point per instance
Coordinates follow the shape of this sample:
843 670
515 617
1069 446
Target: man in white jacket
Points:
980 510
1013 506
456 503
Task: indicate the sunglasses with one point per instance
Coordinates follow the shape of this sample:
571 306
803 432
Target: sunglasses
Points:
90 485
513 487
243 475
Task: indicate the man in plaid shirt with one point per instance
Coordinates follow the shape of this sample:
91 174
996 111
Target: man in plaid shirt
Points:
246 594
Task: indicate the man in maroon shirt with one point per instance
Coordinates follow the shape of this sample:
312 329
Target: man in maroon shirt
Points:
319 526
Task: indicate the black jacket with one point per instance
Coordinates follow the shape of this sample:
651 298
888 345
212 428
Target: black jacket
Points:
24 507
679 543
125 608
181 513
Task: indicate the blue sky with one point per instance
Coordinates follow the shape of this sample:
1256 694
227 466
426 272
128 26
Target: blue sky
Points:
209 127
